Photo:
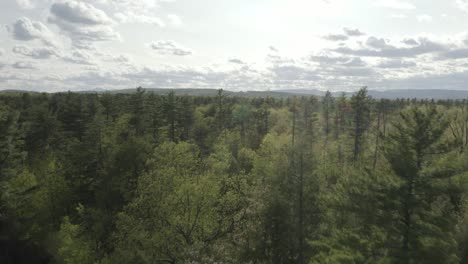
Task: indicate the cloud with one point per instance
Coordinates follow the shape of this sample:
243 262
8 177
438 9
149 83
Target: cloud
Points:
236 61
130 17
36 53
332 72
409 61
378 43
23 65
460 53
149 77
396 63
410 42
380 48
394 4
336 37
25 29
348 32
451 80
31 4
25 4
462 4
170 77
277 59
80 57
327 60
79 12
117 58
294 73
134 5
425 18
331 65
169 47
355 62
398 16
83 23
324 70
353 32
174 20
2 51
140 11
353 72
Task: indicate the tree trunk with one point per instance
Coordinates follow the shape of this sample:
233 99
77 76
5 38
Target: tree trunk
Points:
377 139
301 210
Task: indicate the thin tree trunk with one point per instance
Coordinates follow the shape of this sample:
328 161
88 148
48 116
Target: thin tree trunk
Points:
377 139
301 210
407 219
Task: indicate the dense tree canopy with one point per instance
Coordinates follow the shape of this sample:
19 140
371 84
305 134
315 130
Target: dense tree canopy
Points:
144 178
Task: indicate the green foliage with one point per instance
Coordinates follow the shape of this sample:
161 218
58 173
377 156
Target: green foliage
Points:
181 209
73 249
146 178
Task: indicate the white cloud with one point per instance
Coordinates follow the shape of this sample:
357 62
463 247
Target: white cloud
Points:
378 47
424 18
377 43
336 37
462 4
273 48
352 60
438 80
410 42
139 11
396 63
275 58
130 17
327 59
23 65
174 20
236 61
169 47
25 29
36 53
395 4
25 4
80 57
122 58
398 16
353 32
83 23
461 53
134 5
79 12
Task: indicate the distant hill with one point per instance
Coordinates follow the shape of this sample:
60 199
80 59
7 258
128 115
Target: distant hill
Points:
11 91
197 92
387 94
420 94
393 94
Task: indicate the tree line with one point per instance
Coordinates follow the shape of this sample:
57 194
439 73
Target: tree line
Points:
145 178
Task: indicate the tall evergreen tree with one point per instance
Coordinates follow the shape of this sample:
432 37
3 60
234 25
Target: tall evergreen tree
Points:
360 103
424 228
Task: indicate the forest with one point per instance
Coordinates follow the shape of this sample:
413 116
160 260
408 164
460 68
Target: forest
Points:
100 178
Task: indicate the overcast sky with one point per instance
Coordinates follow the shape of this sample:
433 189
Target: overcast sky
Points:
55 45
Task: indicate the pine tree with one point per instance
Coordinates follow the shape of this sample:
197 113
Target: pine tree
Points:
415 142
327 108
360 103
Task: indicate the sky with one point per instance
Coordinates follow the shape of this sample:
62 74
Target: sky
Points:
336 45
